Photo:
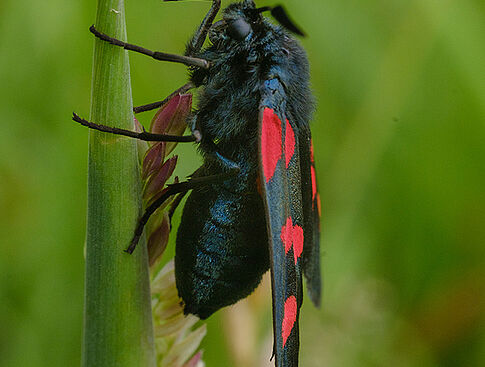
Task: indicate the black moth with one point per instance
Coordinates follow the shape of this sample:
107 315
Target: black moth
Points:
254 203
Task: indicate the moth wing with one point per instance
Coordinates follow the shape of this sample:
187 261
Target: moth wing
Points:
311 211
280 179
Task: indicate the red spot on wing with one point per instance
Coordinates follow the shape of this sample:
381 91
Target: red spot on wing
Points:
289 143
314 183
297 242
319 205
292 235
289 318
270 142
311 151
287 234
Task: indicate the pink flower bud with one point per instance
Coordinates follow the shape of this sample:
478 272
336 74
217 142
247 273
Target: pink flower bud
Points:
172 117
153 160
194 361
156 182
158 239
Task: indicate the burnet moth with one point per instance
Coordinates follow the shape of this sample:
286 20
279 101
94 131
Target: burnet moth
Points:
253 204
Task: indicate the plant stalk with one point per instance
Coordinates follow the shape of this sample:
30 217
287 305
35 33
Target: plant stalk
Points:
118 328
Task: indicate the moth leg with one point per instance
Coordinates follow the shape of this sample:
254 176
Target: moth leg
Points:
200 35
145 136
176 202
151 106
162 56
179 188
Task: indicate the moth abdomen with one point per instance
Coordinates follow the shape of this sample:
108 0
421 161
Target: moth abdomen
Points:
221 251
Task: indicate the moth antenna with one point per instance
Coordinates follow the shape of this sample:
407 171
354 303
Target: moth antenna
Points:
279 13
263 9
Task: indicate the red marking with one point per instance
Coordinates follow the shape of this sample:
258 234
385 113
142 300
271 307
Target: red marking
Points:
289 318
311 151
314 182
289 143
292 236
319 205
270 142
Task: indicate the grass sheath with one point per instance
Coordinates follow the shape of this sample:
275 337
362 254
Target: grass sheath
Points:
118 328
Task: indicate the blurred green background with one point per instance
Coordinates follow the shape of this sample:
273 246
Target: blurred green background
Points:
399 139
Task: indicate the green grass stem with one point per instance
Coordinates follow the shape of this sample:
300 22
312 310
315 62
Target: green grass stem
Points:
118 327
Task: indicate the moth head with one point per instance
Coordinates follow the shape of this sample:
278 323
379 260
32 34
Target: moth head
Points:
238 29
238 22
242 19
